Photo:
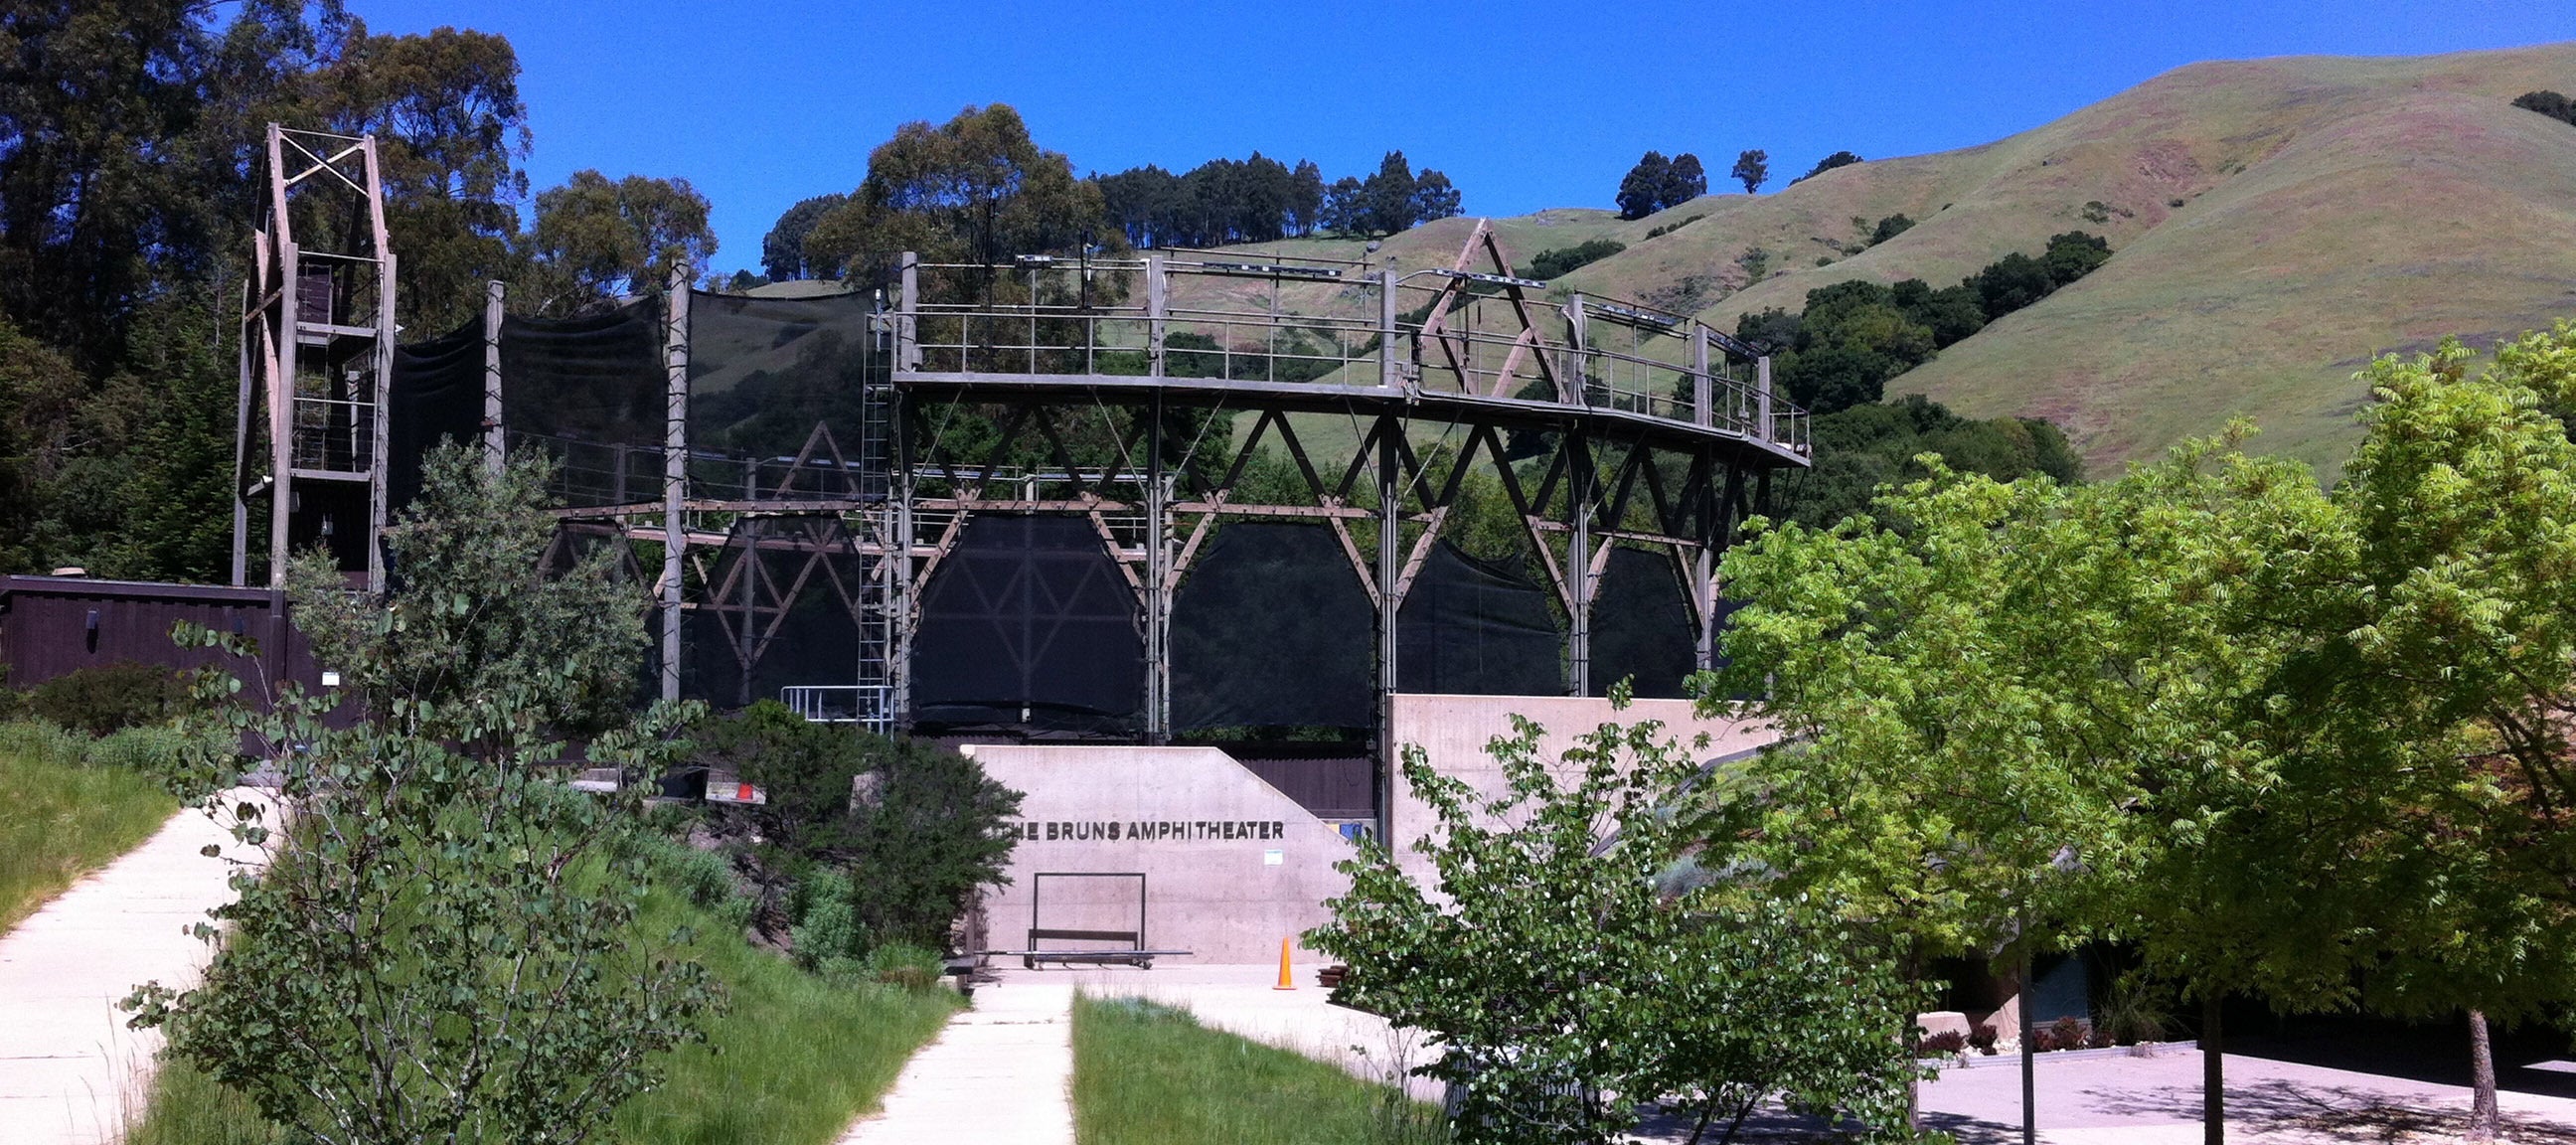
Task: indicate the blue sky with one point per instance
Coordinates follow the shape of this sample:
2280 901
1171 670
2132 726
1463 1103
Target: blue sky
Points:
1523 105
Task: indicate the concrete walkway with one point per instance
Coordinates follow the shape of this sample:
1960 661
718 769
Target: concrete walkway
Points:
70 1072
1002 1071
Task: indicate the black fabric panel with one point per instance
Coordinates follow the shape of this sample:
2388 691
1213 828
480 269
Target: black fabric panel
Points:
436 395
763 372
1272 629
1641 626
1029 612
1471 628
817 644
597 378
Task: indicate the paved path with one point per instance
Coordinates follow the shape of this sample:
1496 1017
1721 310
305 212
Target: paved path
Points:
70 1072
1001 1072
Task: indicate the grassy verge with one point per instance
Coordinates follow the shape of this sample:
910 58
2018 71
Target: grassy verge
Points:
70 809
1151 1075
792 1061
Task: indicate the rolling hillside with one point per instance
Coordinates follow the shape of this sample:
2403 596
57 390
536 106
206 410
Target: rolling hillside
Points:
2330 209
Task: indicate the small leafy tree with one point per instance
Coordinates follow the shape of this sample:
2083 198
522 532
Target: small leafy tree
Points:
1566 976
442 944
1752 168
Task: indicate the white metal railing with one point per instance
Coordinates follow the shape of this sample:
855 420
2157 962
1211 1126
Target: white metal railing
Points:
868 705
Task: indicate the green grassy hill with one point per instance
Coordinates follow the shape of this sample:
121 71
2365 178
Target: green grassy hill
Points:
2330 209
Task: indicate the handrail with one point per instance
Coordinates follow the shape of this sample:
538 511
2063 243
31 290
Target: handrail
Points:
1061 315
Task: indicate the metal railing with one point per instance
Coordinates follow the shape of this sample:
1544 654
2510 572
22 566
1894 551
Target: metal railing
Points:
1299 321
868 705
334 435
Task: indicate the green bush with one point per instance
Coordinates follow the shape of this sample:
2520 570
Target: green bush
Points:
110 697
905 861
1566 260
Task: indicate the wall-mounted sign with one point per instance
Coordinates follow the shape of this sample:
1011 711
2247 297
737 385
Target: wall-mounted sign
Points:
1152 830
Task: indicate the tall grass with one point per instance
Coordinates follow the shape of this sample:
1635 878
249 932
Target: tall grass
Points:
70 804
793 1060
1145 1074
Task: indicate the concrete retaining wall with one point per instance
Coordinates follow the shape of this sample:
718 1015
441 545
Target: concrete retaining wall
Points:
1231 865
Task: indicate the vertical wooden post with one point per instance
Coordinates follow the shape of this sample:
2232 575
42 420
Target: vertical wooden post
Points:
1390 370
241 442
1157 314
1158 585
495 447
1702 384
1578 563
1762 399
675 470
1390 517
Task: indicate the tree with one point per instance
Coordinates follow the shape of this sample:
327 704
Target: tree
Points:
1683 181
596 239
2548 103
1828 163
1888 228
1566 260
443 944
1641 190
451 132
1752 168
1389 195
782 250
1864 448
1567 976
1306 198
912 828
2073 255
2009 283
974 189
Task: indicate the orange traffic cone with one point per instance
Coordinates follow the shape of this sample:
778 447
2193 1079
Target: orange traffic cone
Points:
1285 982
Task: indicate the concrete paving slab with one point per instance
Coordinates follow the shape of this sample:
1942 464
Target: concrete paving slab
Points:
70 1072
1002 1071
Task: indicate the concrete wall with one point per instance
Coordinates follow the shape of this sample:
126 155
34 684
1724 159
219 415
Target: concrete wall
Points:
1231 865
1453 730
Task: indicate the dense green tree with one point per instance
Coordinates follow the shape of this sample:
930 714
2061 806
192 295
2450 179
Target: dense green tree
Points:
2548 103
1565 260
1862 449
1828 163
1888 228
597 238
2009 283
782 250
2073 255
1656 183
1752 168
451 131
975 189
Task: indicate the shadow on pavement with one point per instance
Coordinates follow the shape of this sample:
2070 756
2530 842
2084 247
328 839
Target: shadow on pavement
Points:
2436 1052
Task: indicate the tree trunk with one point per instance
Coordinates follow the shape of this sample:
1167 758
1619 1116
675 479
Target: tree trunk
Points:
2213 1073
2483 1117
2029 1086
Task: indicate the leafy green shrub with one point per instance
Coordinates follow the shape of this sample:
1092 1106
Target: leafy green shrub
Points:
1888 228
908 857
109 697
1668 228
827 930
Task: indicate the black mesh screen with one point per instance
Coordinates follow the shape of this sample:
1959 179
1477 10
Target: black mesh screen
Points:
436 394
765 375
1472 628
1272 628
1028 622
1641 625
781 607
593 391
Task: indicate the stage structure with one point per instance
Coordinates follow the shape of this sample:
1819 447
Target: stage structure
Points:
1171 496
